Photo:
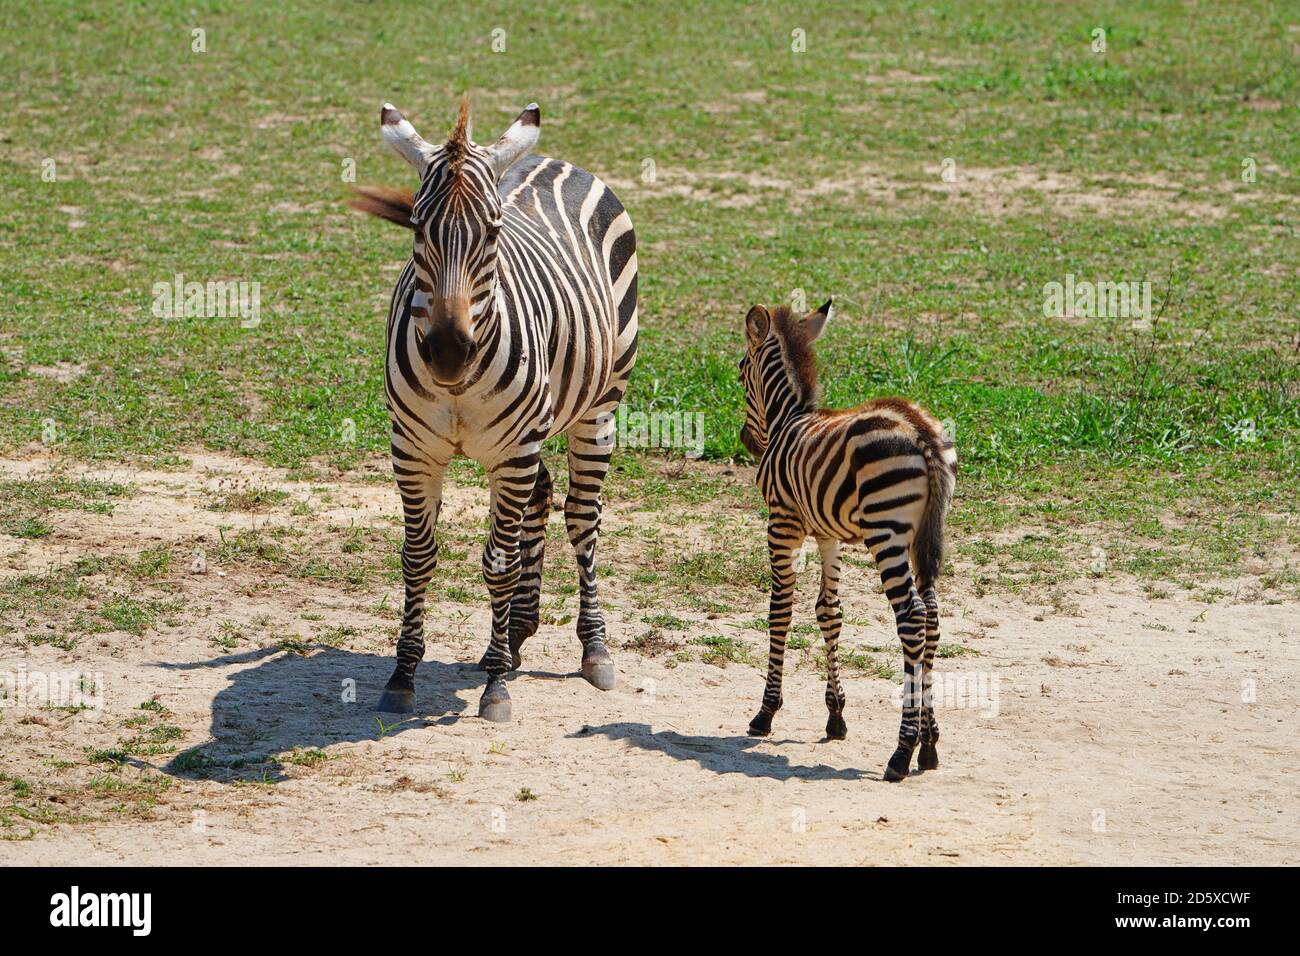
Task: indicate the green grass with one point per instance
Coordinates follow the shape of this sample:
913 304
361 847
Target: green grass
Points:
723 649
251 499
304 758
775 171
670 622
128 614
20 788
26 505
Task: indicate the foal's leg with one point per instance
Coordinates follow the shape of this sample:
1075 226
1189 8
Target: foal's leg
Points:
512 486
420 485
830 617
928 757
909 618
785 536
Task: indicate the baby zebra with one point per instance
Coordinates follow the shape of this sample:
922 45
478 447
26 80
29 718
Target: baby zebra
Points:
882 475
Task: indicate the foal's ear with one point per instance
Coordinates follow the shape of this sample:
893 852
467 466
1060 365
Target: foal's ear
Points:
757 325
402 137
814 322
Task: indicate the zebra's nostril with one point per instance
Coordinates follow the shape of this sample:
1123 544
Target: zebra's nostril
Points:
448 355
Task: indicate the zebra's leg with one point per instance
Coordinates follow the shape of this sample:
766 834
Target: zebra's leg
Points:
420 485
512 487
591 442
785 536
525 602
928 757
830 618
909 620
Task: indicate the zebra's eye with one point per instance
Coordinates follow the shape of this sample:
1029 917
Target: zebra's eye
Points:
493 228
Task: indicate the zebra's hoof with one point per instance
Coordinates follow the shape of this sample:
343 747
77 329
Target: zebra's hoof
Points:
494 705
761 725
598 668
897 768
836 728
928 758
396 700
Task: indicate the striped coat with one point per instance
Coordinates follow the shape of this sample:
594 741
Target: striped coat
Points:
879 475
514 320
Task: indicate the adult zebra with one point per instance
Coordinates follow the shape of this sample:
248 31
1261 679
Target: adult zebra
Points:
514 320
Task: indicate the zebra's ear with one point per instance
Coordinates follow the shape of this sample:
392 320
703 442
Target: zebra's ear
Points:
814 322
402 137
515 142
757 324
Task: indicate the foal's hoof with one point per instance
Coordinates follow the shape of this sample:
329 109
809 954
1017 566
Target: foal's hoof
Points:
494 705
897 768
928 758
836 728
598 667
761 725
396 700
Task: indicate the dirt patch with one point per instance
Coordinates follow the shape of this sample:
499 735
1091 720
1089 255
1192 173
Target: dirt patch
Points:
999 192
1103 726
728 190
61 372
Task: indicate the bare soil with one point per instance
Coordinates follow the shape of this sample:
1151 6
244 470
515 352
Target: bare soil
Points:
1107 728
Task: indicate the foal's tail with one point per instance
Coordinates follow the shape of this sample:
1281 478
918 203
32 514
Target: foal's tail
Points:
941 472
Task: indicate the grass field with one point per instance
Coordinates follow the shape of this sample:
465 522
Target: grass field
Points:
932 166
774 171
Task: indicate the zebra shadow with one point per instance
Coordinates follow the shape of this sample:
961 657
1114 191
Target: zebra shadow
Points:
721 755
288 707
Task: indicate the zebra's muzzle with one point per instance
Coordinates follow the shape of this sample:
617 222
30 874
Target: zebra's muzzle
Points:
448 356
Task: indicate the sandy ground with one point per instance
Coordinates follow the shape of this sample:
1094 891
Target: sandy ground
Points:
1128 731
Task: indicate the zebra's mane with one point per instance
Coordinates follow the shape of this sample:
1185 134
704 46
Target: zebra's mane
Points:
458 145
797 354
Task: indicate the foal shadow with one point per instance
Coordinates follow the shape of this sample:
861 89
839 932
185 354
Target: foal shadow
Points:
290 706
721 754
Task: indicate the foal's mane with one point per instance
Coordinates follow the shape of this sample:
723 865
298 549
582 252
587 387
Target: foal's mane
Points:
800 363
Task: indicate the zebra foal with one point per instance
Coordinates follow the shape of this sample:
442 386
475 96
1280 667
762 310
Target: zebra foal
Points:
882 475
515 319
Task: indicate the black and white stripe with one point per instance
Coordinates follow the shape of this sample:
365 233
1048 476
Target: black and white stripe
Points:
514 320
881 475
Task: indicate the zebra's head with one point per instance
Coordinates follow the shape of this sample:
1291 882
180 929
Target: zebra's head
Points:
457 217
778 369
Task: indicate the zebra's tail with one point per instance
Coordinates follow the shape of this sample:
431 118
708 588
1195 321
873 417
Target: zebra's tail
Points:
941 471
391 204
